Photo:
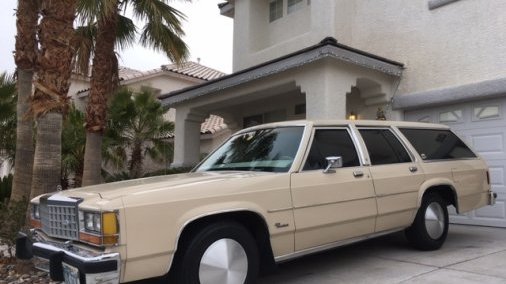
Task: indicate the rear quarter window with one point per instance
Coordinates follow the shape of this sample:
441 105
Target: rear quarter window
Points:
437 144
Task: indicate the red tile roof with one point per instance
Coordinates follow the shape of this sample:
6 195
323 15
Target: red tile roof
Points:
195 70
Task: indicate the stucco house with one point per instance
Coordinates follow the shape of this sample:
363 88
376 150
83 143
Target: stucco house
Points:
438 61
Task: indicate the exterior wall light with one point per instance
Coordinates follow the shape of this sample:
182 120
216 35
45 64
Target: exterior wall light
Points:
352 116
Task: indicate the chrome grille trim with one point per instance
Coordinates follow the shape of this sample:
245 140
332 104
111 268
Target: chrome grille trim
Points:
60 219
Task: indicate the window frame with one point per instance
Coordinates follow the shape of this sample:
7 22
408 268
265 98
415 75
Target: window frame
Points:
459 120
499 116
271 20
356 144
399 138
295 7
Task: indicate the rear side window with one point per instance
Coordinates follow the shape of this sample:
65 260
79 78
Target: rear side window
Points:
384 147
437 144
331 142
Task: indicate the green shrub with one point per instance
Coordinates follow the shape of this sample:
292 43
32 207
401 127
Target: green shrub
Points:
12 218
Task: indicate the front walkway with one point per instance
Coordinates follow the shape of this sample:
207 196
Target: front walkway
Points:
471 254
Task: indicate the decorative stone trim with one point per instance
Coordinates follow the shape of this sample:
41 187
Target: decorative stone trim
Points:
434 4
483 90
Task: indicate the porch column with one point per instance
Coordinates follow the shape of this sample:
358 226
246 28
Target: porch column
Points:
325 87
187 137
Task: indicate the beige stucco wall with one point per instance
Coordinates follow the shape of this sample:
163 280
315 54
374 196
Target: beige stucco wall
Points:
456 44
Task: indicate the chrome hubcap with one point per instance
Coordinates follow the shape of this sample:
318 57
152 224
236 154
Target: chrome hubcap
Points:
434 220
224 262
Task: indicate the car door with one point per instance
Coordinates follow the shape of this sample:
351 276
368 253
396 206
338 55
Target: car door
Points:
397 179
329 207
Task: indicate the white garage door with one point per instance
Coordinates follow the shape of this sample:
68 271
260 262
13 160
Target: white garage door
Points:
481 124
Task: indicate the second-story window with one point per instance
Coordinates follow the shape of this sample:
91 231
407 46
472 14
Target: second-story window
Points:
294 5
275 10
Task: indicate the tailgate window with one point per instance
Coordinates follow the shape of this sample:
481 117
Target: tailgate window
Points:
437 144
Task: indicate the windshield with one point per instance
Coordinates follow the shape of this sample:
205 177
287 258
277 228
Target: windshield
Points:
267 150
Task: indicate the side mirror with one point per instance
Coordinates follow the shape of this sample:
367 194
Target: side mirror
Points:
333 162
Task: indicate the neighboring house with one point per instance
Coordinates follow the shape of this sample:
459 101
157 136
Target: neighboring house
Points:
425 60
165 79
5 167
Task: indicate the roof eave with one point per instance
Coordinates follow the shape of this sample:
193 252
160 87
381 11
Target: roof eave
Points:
328 48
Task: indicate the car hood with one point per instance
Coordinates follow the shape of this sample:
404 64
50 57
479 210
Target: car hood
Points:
115 190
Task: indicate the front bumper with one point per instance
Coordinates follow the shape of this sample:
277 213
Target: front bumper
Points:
69 263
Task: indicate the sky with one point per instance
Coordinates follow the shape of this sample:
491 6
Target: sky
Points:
208 35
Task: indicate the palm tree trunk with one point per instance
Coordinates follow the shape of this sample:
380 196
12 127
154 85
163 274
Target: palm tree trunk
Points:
136 161
92 159
103 82
50 102
47 160
22 183
25 56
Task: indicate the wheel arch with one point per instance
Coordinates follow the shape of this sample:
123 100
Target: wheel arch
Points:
253 221
444 187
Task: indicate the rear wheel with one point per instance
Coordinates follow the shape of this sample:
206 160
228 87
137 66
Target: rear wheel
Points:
224 253
430 228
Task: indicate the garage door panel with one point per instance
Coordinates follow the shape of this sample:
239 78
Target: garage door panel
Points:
491 143
485 131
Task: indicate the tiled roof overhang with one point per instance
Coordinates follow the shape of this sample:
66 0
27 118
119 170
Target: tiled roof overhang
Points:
470 92
327 48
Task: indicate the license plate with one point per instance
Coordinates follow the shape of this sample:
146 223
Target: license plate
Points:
41 263
70 274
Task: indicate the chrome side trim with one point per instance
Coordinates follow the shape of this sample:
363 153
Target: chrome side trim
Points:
339 223
279 210
304 252
333 202
392 194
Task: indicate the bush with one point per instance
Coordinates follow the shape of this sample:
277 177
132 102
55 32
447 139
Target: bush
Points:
12 218
5 187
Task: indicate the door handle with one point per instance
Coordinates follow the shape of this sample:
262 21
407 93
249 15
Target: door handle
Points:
358 174
413 169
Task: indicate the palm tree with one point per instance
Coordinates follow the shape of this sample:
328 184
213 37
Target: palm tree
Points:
25 56
136 129
8 99
73 141
162 32
50 102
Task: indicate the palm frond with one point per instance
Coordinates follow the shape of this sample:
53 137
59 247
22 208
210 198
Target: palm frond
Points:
162 38
86 38
125 33
163 29
90 10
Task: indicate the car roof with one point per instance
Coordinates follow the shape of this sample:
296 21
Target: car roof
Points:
358 123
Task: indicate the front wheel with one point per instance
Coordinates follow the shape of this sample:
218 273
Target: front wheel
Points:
223 253
430 228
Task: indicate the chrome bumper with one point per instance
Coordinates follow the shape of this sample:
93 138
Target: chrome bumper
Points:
492 197
68 263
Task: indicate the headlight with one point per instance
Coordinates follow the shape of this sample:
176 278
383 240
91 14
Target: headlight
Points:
36 211
100 228
92 222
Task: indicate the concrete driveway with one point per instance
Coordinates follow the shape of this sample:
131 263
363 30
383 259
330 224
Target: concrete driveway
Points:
471 254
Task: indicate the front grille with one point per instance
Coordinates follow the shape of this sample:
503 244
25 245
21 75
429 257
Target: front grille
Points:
60 219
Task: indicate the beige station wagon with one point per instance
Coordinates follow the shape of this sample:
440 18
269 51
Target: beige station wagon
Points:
270 193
